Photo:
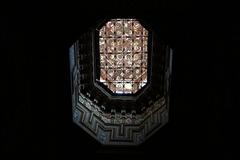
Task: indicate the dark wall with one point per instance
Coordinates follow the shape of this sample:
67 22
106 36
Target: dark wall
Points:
37 117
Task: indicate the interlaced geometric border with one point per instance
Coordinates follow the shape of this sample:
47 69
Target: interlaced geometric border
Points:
119 129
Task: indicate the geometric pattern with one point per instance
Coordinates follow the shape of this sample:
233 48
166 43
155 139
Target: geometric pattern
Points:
119 128
123 46
115 127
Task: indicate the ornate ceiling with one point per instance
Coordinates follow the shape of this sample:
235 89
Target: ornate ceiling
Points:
110 118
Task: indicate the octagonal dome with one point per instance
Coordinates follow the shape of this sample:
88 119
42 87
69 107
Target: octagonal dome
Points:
120 56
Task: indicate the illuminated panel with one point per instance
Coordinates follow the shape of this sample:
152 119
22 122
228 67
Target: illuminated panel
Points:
123 46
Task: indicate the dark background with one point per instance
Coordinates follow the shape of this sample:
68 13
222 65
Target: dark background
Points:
37 113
